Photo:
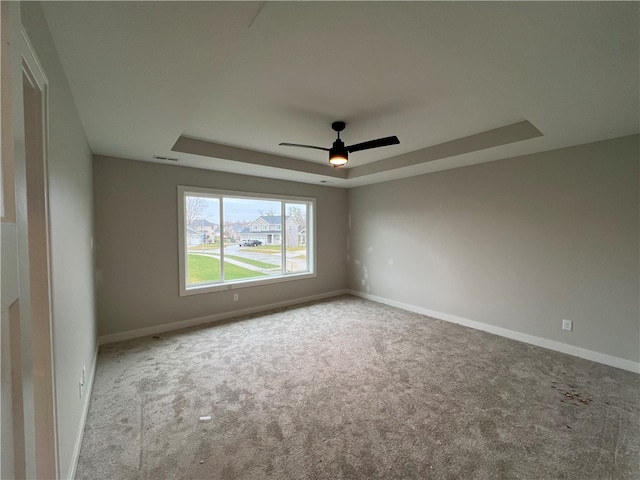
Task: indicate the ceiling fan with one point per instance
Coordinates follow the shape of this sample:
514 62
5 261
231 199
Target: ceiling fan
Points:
339 153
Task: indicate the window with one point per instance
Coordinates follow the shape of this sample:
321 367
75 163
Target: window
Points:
226 260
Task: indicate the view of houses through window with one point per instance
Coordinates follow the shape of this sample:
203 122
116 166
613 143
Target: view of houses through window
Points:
232 238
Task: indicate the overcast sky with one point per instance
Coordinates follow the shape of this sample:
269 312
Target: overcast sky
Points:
239 209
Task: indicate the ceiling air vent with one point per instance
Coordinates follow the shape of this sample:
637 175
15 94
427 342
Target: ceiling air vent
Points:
159 157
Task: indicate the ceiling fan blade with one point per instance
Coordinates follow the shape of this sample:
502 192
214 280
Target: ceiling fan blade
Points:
303 146
380 142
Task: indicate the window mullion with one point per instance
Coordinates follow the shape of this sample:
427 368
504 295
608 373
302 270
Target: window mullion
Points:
283 237
221 216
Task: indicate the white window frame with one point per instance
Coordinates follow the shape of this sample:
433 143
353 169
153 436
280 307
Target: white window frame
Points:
184 190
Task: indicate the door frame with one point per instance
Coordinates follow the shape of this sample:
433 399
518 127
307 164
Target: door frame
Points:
34 343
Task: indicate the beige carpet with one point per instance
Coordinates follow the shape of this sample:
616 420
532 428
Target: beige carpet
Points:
352 389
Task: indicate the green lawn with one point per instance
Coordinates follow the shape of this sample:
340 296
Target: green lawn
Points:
207 246
264 249
206 269
273 249
251 261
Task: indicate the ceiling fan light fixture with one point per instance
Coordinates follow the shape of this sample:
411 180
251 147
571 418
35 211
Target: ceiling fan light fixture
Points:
338 155
338 161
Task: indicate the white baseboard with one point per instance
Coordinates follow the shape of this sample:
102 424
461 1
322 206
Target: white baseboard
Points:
504 332
218 317
83 417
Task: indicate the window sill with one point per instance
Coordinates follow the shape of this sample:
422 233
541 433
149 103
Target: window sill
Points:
218 287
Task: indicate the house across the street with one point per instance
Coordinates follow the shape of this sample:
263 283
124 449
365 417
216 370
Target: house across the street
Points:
209 232
268 229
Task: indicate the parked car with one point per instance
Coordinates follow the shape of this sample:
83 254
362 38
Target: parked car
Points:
250 243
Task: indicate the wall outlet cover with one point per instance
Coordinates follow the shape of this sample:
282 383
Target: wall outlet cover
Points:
567 325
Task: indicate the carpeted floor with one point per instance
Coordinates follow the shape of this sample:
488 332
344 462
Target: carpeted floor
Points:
352 389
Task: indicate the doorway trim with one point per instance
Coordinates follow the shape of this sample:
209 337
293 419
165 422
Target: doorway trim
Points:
30 96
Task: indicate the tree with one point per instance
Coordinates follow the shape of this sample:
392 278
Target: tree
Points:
194 207
297 214
294 211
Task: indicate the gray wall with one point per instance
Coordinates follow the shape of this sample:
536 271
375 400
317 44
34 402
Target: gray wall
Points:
137 244
519 243
71 227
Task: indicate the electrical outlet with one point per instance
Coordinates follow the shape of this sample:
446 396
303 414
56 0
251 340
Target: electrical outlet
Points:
235 297
567 325
364 282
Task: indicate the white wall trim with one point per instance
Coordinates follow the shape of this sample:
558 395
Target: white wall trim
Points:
218 317
83 417
504 332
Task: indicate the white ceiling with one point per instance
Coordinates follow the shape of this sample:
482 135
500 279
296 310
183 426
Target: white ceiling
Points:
229 81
